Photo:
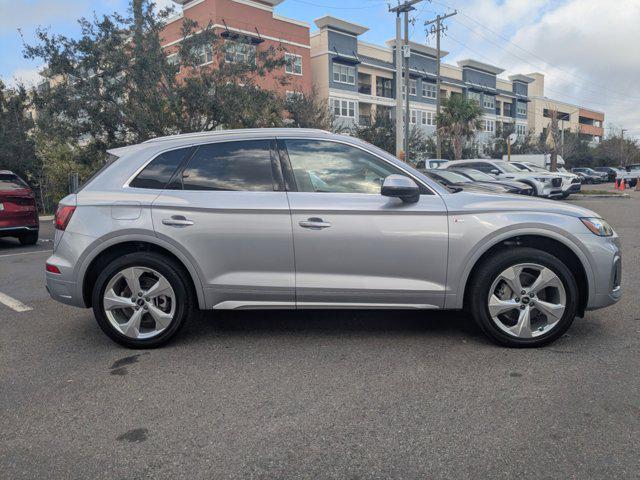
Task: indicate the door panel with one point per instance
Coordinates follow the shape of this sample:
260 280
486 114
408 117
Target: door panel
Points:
376 250
233 219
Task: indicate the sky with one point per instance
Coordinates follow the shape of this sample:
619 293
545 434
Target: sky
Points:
589 50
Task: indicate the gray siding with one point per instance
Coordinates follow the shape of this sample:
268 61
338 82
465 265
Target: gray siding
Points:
479 78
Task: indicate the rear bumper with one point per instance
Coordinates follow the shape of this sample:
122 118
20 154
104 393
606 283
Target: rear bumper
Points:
17 231
63 291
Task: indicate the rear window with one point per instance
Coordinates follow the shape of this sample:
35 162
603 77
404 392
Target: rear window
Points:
160 170
11 182
229 166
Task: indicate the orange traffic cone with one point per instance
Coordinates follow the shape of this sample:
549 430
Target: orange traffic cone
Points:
615 184
637 184
622 184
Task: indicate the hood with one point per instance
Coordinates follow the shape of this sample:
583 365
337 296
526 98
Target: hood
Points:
467 202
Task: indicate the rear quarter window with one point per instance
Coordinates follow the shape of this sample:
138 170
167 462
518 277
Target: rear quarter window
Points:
159 171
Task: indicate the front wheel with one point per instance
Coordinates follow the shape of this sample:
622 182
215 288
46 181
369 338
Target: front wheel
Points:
523 297
142 299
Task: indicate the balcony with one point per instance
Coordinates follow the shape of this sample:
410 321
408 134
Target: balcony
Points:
364 83
384 87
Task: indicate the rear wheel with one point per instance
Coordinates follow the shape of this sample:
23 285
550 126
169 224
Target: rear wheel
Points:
141 300
523 297
30 238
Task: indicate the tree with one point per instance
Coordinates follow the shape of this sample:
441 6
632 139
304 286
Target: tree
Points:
555 138
17 152
458 122
308 110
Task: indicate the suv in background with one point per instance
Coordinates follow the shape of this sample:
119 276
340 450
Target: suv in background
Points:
18 211
571 183
545 184
590 175
612 173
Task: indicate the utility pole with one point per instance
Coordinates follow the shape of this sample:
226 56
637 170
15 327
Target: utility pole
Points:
622 156
437 28
402 55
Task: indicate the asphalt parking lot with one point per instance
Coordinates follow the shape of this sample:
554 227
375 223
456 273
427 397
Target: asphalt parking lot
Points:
317 394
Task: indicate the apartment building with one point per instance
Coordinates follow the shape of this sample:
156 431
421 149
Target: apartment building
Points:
587 122
358 79
247 26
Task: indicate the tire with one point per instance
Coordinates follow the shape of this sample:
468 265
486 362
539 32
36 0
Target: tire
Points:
543 329
30 238
179 300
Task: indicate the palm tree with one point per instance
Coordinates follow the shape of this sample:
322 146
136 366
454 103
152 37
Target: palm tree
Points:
458 121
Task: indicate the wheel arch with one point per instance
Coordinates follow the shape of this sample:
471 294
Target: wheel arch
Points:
116 247
549 241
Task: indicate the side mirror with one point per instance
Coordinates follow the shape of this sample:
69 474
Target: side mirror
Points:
495 171
400 187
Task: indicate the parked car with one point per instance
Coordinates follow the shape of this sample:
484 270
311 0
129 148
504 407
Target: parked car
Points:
481 178
612 173
453 179
590 175
430 163
298 218
630 174
571 183
18 212
544 184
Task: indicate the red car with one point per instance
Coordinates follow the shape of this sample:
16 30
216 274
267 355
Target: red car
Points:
18 212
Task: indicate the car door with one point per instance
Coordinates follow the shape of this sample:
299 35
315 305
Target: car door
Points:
228 211
354 247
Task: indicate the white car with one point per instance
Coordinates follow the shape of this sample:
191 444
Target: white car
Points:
545 184
630 175
571 183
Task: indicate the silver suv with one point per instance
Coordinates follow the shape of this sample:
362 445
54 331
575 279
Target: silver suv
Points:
545 184
292 218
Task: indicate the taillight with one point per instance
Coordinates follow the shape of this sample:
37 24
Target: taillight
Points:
52 268
63 215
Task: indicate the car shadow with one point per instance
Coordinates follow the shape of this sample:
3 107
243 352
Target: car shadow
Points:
331 323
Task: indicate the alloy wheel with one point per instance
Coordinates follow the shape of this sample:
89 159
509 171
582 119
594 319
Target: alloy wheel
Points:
527 300
139 302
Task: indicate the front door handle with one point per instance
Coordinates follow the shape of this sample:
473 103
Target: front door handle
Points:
177 221
314 223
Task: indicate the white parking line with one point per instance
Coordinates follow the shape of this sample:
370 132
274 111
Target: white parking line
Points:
14 304
25 253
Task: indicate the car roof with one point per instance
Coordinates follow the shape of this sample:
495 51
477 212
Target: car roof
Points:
6 172
236 134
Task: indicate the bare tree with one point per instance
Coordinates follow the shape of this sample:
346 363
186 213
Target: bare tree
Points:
555 136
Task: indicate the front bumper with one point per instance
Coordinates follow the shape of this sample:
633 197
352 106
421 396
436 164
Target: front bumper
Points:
606 263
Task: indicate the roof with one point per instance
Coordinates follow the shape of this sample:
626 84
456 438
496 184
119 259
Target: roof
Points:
420 48
485 67
342 25
6 172
521 78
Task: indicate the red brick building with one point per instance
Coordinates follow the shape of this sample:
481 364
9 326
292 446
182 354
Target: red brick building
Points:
246 25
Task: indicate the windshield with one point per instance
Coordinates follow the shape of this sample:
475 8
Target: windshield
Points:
507 167
451 177
562 169
522 167
535 168
11 182
478 176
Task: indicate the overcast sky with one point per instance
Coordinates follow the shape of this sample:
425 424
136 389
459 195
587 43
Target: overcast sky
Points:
589 50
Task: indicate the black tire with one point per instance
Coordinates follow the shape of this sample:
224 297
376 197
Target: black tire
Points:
174 273
30 238
486 273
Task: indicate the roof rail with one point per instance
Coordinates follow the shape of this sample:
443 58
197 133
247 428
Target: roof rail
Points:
240 131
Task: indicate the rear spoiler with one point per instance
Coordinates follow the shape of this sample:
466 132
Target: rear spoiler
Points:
122 151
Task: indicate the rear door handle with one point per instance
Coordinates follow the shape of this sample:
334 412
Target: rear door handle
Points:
177 221
314 223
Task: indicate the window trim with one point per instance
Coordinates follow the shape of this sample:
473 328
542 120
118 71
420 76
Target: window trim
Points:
290 181
287 63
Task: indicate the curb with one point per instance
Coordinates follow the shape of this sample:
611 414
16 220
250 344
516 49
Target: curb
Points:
603 195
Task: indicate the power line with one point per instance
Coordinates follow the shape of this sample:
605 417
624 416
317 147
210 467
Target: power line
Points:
485 27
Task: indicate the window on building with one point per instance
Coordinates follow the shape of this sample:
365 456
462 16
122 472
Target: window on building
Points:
489 126
290 95
498 107
521 108
507 109
384 87
488 102
429 90
344 73
413 87
293 63
237 52
343 108
474 96
244 165
174 60
204 54
521 129
431 118
329 167
414 117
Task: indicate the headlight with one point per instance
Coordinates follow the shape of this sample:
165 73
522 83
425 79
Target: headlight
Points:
544 180
598 226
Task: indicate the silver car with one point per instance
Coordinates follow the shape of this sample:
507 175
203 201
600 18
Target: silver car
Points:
305 219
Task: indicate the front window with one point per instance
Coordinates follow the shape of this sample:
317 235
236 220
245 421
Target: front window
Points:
489 102
344 73
507 167
230 166
330 167
293 63
236 52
